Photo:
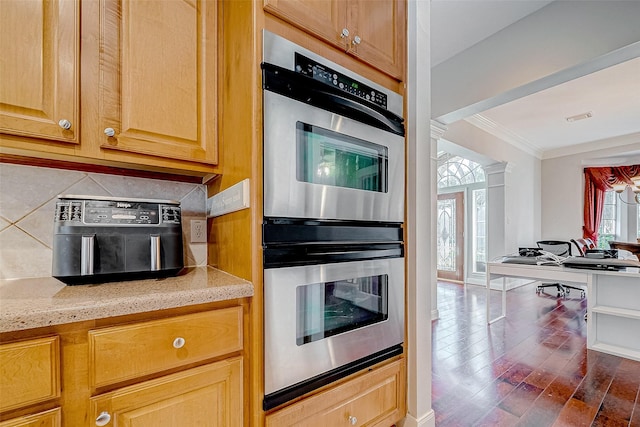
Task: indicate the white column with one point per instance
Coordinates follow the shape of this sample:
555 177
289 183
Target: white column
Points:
419 239
497 217
437 131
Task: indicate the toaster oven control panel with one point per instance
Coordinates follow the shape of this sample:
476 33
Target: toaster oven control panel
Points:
111 212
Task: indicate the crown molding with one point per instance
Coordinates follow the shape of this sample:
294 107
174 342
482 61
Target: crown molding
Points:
507 135
437 129
631 140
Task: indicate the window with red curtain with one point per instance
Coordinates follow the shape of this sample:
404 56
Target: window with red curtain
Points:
596 182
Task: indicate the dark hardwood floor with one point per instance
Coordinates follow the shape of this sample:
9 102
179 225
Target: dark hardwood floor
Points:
530 369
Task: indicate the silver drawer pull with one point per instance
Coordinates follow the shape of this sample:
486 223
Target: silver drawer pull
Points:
353 420
178 342
103 419
64 124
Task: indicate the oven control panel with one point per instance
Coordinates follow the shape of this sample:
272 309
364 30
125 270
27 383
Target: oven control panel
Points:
325 74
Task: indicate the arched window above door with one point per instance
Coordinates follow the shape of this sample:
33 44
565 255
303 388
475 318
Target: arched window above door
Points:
454 171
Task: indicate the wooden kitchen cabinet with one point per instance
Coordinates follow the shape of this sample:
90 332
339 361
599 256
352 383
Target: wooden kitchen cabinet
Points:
51 418
372 30
29 372
208 395
376 398
205 395
39 69
158 78
133 368
174 342
114 83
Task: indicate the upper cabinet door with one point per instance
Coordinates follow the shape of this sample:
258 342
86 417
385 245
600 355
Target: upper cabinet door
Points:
324 19
39 62
378 33
158 78
372 30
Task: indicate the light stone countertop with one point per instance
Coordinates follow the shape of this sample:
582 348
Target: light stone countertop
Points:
45 301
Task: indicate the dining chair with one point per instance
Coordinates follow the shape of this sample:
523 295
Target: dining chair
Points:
583 245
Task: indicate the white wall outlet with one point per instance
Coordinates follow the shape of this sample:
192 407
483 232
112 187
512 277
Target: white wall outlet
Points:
232 199
198 231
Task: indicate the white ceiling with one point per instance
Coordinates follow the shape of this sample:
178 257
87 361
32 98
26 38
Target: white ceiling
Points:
538 121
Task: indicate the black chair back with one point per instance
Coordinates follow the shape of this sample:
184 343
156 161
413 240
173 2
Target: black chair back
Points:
556 247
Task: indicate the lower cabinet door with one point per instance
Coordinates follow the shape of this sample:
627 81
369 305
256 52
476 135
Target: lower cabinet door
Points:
209 395
376 398
43 419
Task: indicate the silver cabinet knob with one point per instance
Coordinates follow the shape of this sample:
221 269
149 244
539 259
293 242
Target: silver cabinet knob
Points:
109 132
353 420
103 419
357 40
64 124
345 33
178 342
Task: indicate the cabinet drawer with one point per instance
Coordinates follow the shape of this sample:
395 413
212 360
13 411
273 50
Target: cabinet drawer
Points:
50 418
375 398
209 395
124 352
29 372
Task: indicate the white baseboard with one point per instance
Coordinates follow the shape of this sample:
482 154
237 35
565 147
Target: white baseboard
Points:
427 420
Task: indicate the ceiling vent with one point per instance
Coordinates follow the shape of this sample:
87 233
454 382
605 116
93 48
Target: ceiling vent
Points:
579 117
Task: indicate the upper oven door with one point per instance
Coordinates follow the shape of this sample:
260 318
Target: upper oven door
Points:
319 164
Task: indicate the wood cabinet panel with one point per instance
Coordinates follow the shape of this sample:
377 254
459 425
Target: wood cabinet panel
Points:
208 395
125 352
324 19
375 29
29 372
158 68
381 26
39 65
375 398
50 418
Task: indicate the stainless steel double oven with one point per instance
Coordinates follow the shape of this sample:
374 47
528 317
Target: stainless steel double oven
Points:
333 212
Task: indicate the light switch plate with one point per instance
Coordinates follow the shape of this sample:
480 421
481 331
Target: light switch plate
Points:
232 199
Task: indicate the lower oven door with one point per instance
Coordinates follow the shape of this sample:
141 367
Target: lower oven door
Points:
326 321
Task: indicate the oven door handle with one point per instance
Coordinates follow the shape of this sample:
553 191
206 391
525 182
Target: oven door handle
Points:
362 254
368 115
313 92
295 256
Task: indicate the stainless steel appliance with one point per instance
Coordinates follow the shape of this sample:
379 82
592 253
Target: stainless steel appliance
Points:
333 141
102 239
333 213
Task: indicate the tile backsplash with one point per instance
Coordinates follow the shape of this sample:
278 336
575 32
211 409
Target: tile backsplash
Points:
28 197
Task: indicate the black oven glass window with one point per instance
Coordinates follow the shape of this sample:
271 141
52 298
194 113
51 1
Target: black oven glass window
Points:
330 308
330 158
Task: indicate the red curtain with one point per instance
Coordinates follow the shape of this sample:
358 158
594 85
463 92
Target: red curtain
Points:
596 182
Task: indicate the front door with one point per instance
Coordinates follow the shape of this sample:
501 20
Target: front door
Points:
451 237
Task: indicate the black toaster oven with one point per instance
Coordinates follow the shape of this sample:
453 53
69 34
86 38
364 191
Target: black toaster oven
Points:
106 239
